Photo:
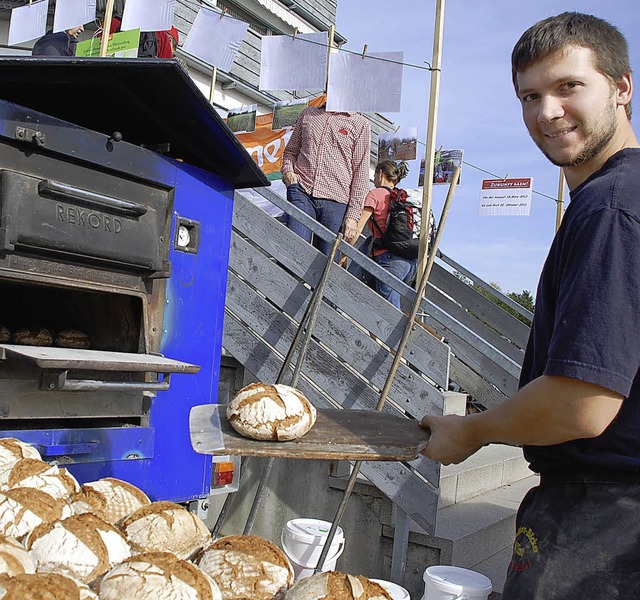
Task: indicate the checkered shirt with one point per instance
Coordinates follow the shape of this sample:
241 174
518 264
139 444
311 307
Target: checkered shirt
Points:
329 152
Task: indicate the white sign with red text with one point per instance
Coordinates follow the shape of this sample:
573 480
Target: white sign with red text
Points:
506 197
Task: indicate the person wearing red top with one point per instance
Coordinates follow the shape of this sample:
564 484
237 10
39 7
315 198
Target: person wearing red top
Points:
326 170
376 208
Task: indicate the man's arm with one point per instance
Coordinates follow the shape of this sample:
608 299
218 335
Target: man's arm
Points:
291 153
359 181
549 410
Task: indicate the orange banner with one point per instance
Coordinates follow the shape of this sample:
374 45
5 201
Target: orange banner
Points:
267 146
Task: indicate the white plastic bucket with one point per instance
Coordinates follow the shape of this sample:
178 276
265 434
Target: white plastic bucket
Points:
397 592
302 541
443 582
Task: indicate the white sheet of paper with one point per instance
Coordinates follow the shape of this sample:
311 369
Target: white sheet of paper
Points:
28 22
506 197
148 15
372 83
294 64
214 39
71 13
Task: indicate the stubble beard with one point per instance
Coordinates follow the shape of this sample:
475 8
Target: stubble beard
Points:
597 136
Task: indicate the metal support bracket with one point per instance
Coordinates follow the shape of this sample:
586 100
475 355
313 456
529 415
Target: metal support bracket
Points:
58 381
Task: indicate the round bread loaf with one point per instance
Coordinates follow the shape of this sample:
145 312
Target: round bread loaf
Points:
157 575
109 498
24 509
14 558
246 567
12 450
71 338
82 546
32 336
166 527
44 586
332 585
33 473
5 335
271 412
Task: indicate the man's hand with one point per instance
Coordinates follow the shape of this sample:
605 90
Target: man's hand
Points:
289 178
451 439
350 230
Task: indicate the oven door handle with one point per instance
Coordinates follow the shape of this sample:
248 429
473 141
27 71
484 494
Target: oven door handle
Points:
67 449
58 381
100 201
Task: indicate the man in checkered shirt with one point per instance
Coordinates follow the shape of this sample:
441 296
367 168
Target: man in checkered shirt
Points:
326 170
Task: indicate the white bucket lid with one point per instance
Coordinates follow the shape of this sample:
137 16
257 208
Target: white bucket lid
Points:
397 592
455 580
310 531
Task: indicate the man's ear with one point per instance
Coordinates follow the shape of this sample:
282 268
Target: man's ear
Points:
624 90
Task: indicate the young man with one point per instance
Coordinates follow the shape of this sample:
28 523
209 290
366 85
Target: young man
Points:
326 170
577 412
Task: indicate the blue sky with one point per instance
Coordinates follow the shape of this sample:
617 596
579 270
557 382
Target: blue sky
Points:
478 112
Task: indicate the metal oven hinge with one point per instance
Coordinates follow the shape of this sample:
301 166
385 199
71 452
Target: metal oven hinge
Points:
57 380
30 135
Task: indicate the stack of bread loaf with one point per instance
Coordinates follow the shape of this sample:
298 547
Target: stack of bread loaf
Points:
106 540
40 336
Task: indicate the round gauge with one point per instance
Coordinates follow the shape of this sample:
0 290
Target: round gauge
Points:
184 237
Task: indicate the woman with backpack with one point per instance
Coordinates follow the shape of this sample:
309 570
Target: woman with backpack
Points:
375 213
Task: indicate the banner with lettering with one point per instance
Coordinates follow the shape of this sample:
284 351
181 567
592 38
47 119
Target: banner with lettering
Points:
501 197
267 146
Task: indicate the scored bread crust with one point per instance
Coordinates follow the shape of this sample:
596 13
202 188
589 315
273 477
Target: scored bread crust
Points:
44 586
271 412
33 336
14 558
34 473
165 527
81 546
110 498
24 509
246 567
157 575
71 338
332 585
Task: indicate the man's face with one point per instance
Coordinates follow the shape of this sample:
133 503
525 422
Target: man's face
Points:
568 107
75 31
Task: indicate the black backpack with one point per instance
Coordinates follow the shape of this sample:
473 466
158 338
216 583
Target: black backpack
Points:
402 233
148 46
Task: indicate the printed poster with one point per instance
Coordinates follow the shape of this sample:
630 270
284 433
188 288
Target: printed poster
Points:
72 13
288 63
215 39
506 197
286 113
369 83
28 22
123 44
243 119
398 145
148 15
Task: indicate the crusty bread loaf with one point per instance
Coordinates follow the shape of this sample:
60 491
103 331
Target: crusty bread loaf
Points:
82 546
72 338
332 585
166 527
24 509
109 498
33 473
157 575
44 586
246 567
271 412
12 450
32 336
5 335
14 558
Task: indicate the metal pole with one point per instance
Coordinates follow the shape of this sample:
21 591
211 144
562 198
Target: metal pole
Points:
303 335
432 122
394 367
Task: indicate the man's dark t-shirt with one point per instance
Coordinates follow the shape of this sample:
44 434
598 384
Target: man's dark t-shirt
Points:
55 44
587 315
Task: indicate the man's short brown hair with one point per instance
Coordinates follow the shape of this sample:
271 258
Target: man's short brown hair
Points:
556 34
